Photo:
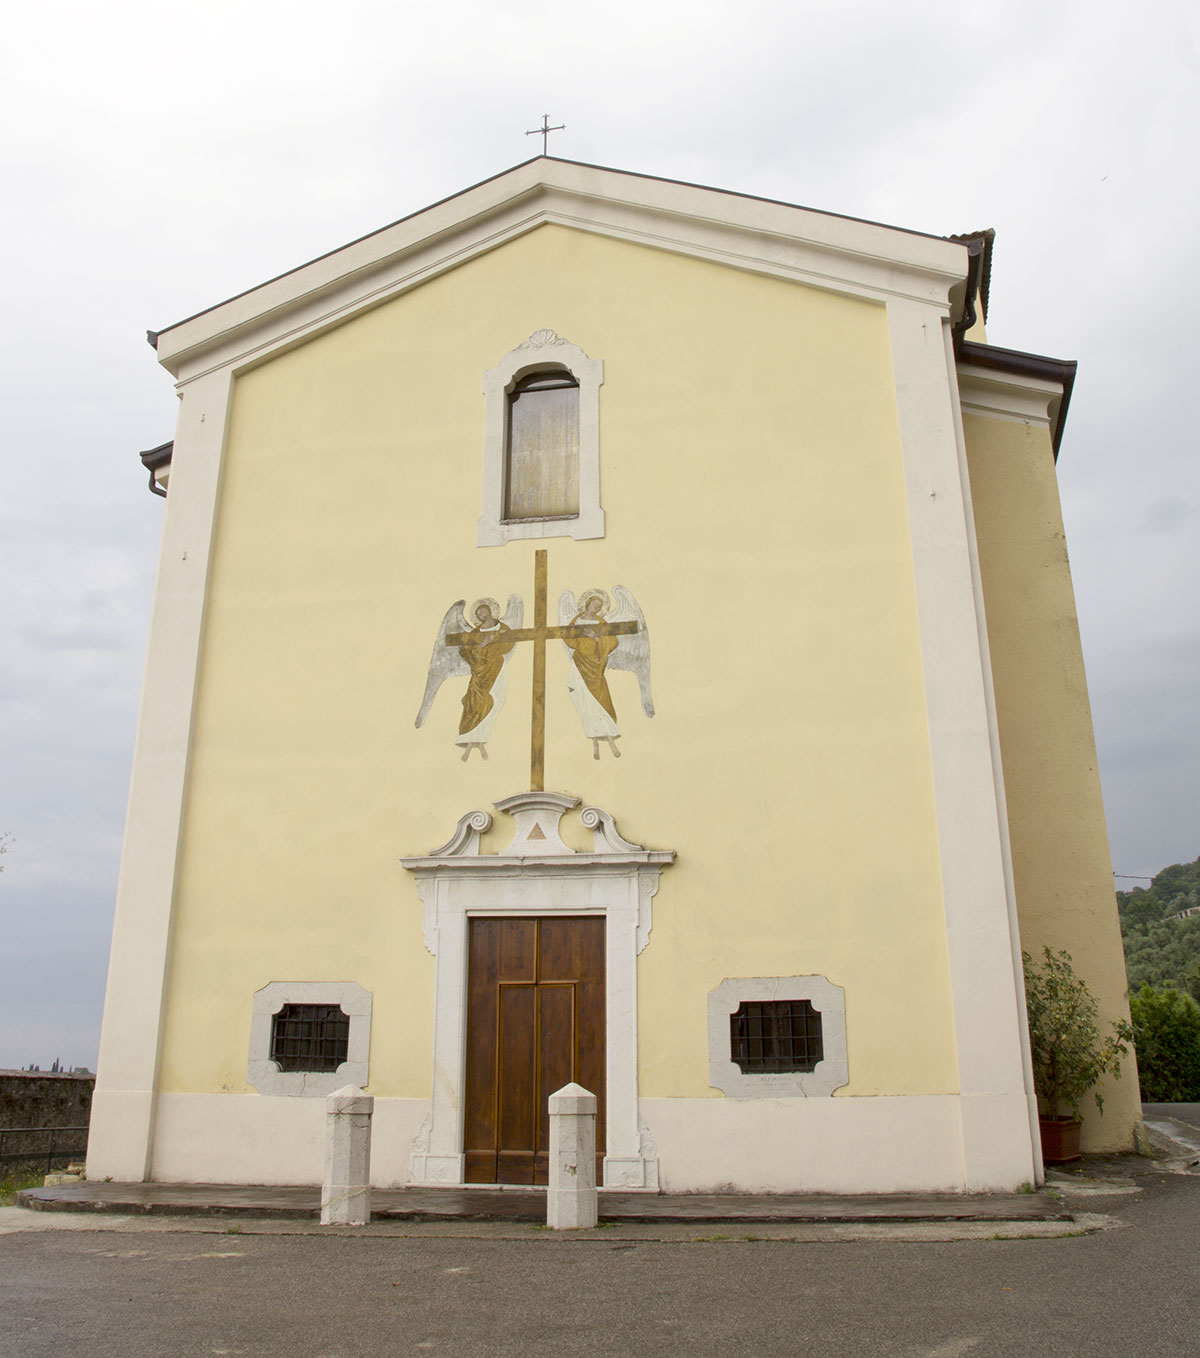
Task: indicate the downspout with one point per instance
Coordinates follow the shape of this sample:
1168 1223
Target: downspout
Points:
154 460
970 315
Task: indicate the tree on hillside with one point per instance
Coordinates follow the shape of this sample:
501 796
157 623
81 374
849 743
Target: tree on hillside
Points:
1166 1033
1162 940
1180 879
1174 888
1142 910
1166 952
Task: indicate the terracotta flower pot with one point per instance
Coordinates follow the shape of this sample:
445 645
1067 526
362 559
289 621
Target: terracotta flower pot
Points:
1060 1139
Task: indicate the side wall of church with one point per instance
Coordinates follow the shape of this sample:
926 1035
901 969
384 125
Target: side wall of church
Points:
1060 853
755 502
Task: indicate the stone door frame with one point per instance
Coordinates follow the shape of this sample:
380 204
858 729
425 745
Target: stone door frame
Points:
456 882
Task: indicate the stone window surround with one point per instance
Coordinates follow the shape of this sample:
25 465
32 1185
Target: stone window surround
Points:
830 1002
543 351
264 1074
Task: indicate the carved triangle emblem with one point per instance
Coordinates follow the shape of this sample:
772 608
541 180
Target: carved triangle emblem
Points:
537 832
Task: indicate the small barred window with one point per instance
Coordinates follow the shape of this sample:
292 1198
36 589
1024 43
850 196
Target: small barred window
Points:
310 1037
769 1036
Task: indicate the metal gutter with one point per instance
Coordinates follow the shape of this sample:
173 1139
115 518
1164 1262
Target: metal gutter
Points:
1059 370
153 459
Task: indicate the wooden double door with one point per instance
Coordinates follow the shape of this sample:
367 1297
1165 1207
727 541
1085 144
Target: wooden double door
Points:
535 1022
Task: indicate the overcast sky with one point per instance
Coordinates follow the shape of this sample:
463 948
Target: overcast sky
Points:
159 158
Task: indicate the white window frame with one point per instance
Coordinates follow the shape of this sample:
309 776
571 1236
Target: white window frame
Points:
831 1072
264 1074
543 351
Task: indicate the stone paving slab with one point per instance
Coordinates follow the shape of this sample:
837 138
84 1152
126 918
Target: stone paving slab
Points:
608 1235
529 1205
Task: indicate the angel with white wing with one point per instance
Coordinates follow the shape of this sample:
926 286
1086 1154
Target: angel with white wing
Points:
593 655
480 650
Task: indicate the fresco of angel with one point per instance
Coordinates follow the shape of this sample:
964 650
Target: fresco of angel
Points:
593 656
482 655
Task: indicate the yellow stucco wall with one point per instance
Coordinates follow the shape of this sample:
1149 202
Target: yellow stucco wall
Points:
755 506
1061 863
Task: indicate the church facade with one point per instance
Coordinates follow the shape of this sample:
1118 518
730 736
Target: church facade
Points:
615 630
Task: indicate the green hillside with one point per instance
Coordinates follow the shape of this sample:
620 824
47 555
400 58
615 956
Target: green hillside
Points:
1162 940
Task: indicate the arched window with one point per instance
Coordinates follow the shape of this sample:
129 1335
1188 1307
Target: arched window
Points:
541 477
541 443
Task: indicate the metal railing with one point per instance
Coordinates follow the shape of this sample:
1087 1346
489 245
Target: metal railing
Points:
61 1144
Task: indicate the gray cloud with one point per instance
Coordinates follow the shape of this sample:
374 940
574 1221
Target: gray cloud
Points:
164 159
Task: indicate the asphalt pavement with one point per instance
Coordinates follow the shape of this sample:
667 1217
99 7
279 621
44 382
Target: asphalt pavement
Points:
1125 1281
1179 1112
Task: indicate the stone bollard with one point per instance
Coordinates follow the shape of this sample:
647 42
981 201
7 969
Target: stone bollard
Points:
346 1192
571 1196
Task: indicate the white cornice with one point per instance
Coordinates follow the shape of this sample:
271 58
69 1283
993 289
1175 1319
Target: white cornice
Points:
556 866
845 255
1008 396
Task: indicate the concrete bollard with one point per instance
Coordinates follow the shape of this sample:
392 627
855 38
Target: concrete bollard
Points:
346 1192
571 1197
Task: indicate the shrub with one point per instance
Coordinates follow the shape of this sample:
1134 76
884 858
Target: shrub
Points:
1166 1031
1069 1054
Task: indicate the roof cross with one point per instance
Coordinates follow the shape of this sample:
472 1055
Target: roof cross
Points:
545 130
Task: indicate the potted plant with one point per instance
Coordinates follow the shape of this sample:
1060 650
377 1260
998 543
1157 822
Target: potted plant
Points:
1070 1054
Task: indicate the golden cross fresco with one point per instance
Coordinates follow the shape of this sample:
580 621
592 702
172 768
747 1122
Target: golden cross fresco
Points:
600 632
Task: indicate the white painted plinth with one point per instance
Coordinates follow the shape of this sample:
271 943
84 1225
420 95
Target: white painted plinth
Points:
571 1196
346 1191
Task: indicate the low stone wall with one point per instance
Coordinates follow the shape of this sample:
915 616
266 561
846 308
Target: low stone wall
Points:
40 1099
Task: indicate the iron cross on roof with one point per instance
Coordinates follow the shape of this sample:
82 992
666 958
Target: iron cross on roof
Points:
545 130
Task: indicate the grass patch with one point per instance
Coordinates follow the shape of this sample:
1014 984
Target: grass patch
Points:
12 1184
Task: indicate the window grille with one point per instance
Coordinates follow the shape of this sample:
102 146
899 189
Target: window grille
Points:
310 1037
770 1036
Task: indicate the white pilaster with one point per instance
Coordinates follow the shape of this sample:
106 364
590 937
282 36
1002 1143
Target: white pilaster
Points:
120 1141
997 1145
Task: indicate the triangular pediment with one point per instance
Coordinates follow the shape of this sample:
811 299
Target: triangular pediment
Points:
847 255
